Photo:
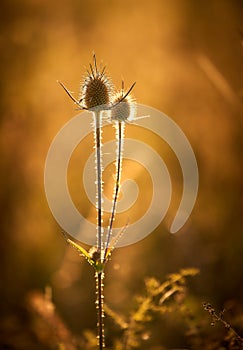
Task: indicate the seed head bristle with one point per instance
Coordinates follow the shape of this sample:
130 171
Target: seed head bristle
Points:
96 89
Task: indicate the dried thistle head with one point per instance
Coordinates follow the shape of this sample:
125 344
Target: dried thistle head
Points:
123 106
96 89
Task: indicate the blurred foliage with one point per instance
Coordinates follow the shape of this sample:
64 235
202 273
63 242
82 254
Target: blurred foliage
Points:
186 57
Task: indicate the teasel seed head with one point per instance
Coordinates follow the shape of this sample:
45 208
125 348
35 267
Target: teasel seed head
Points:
96 89
124 107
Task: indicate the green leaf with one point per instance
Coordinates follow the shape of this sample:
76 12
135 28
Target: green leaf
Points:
82 251
97 265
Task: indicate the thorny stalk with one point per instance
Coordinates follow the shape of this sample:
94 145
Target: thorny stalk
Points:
98 159
122 110
119 135
219 318
99 277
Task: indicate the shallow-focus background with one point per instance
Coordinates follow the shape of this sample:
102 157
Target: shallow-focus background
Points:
187 60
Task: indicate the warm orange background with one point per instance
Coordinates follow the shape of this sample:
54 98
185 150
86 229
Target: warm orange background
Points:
187 59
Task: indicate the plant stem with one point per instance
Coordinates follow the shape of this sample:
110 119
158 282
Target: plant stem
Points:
98 144
119 136
99 277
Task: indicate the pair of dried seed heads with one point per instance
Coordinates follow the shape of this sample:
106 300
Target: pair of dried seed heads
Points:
97 93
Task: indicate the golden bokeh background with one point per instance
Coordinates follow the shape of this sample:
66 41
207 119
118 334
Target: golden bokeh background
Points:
187 60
